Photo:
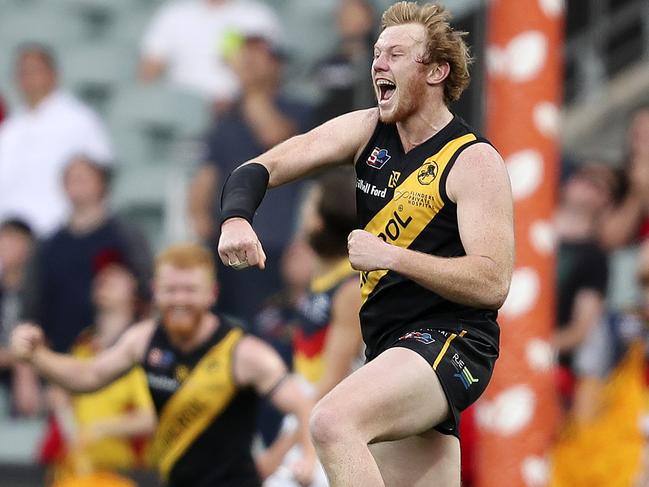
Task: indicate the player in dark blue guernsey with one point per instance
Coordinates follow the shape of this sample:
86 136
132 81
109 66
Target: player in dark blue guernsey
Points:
205 376
434 246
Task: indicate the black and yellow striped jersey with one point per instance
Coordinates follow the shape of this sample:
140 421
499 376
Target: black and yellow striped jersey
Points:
206 422
401 197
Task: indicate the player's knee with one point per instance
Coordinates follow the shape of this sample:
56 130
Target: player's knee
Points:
328 425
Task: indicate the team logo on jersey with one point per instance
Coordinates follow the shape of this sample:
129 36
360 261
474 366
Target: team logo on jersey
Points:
427 172
425 338
378 158
394 179
316 309
160 358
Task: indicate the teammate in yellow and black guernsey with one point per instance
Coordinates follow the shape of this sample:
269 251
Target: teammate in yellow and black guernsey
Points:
435 251
204 375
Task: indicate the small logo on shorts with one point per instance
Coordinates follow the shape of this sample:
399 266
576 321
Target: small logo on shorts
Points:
425 338
466 378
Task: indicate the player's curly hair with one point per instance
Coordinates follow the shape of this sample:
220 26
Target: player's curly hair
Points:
443 43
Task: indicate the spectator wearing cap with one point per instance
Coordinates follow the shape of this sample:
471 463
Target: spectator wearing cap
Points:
16 245
261 118
37 142
65 264
184 41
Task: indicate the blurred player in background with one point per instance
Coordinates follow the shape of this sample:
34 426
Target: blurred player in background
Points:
436 255
104 430
329 340
327 345
278 320
204 375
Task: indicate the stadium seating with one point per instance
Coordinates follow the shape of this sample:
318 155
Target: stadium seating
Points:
96 43
96 70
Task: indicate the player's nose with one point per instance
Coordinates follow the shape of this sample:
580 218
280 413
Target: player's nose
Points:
380 63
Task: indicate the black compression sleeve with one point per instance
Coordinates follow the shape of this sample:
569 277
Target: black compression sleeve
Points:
243 191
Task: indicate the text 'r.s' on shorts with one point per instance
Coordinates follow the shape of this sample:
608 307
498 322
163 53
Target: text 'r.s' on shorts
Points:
463 363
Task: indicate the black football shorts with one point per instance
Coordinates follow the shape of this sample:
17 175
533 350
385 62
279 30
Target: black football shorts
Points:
463 362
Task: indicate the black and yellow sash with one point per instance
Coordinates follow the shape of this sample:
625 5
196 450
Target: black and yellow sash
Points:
416 202
205 393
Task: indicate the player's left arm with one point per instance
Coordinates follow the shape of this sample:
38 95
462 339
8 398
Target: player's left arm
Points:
343 342
259 366
479 185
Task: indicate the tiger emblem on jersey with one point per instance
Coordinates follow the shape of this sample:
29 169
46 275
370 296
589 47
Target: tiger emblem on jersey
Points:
427 172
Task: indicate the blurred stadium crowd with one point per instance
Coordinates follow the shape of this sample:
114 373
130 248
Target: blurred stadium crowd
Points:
116 131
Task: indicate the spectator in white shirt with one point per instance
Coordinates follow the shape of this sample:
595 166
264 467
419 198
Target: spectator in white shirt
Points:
185 38
38 141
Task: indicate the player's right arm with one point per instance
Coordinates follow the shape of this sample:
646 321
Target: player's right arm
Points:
73 374
335 142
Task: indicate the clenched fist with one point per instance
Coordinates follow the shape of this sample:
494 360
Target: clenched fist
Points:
239 246
368 252
25 339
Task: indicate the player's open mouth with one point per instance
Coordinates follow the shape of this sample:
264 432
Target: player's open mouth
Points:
180 310
386 89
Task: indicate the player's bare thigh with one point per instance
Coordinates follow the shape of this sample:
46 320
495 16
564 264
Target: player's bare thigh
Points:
428 460
395 396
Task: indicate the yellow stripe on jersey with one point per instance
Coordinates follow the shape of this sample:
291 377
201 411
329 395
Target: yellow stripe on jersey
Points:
447 344
339 272
417 200
205 393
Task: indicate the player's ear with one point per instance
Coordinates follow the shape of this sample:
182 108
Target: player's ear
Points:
437 73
